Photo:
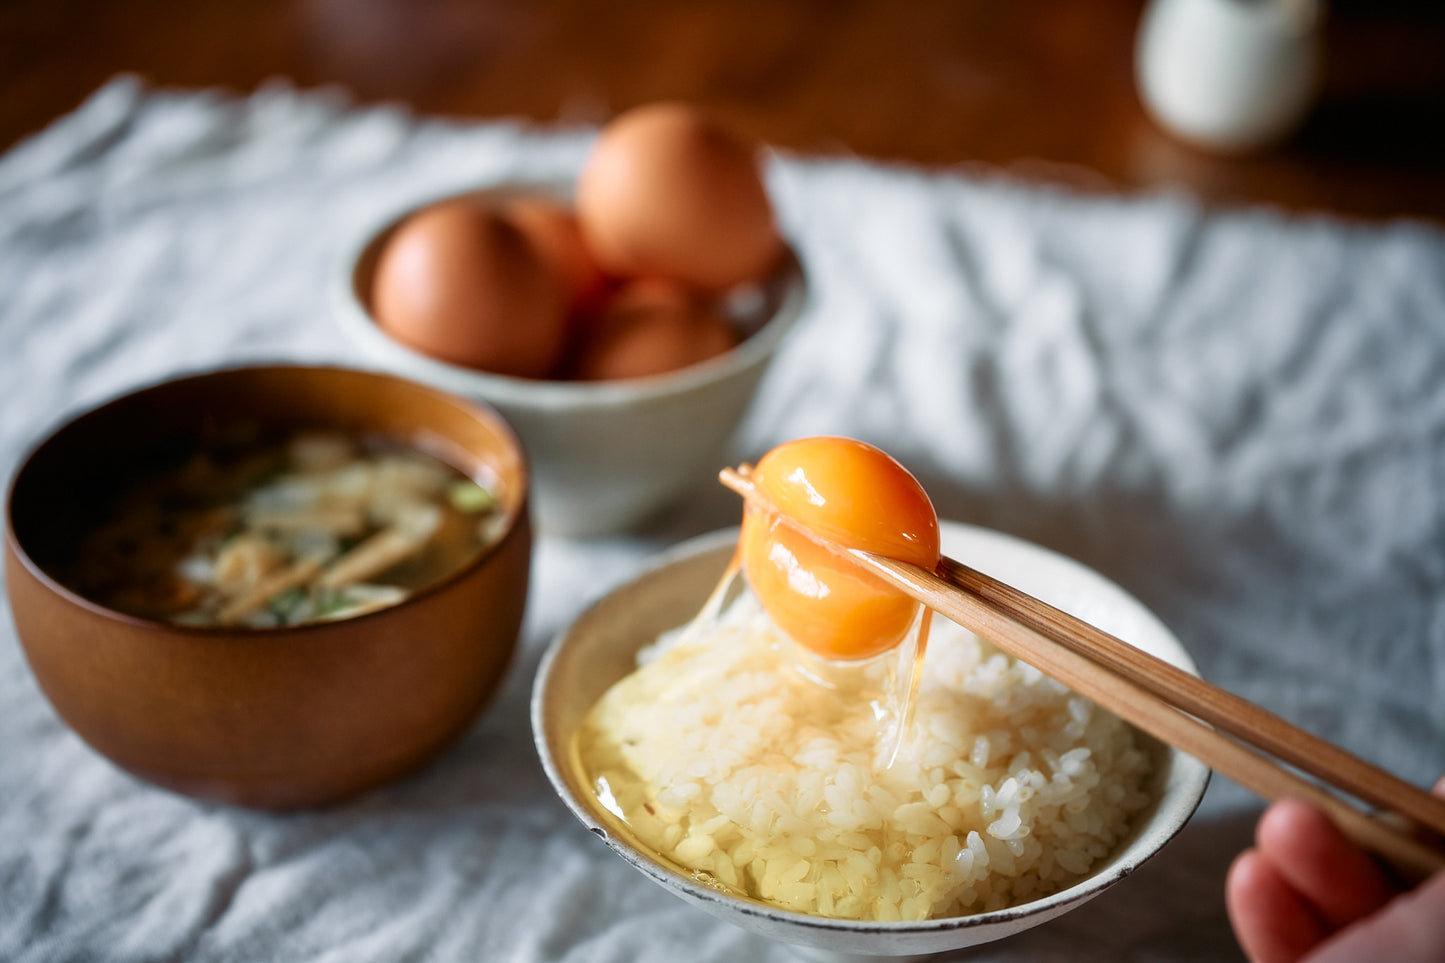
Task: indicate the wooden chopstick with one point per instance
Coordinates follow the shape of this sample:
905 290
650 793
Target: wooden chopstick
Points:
1219 708
1150 712
1165 701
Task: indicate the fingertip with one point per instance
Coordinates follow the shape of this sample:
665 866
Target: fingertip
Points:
1410 929
1241 887
1271 921
1318 861
1290 825
1240 877
1243 884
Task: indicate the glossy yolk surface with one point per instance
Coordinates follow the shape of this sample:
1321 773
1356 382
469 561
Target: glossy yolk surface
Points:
855 495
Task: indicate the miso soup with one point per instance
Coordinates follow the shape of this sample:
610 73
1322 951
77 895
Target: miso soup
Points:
303 528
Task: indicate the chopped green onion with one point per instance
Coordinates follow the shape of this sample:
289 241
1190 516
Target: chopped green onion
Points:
332 603
468 496
291 606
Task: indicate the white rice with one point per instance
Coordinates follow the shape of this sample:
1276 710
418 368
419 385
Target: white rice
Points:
727 760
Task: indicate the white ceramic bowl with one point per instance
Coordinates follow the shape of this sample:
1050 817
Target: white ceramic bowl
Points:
604 455
600 647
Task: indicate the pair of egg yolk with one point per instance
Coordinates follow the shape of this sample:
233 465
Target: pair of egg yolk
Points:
856 496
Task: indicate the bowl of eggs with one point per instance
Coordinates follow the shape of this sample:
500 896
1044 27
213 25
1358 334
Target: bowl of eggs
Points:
621 323
272 586
823 768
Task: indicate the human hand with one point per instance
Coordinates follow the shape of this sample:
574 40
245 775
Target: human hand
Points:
1306 893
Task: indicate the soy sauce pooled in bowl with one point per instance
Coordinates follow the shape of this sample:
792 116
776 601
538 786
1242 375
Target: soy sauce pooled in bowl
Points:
259 533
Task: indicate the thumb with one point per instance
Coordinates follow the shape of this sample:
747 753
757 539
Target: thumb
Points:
1409 929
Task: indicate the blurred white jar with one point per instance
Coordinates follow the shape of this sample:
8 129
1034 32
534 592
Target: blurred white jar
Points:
1229 75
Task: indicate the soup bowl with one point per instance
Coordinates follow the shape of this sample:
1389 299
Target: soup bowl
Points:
277 718
602 646
606 455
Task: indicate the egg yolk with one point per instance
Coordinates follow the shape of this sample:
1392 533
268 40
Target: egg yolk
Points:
854 495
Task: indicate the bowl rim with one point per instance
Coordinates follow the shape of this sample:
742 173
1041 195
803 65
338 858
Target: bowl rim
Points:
1193 782
516 518
351 310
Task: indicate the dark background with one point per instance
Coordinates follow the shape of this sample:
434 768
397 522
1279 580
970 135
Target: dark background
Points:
1041 88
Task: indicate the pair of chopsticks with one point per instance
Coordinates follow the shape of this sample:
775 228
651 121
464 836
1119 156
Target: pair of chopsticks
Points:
1170 704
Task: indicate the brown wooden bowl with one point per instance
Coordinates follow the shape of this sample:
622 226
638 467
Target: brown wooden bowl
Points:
273 718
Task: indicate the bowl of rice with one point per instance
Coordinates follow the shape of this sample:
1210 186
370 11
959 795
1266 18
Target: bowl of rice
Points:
712 760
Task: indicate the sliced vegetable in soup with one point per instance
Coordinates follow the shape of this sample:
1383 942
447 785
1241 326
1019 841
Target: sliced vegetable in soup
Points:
314 526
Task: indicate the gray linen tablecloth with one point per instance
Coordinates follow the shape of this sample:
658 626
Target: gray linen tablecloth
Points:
1238 416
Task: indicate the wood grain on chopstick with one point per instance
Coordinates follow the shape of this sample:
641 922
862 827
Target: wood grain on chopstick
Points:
1220 708
1149 712
1163 701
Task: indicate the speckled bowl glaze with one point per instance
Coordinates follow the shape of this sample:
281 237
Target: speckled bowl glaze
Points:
605 455
277 718
600 648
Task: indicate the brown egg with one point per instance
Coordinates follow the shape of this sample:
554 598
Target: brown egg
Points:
553 229
462 283
668 192
649 327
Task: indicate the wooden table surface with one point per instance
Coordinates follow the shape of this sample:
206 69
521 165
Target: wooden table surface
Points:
1042 89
